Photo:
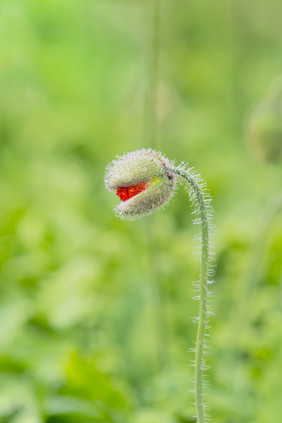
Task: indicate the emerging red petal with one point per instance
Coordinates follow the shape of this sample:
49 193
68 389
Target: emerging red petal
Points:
125 193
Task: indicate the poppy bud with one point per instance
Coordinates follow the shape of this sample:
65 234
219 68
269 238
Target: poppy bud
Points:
143 182
265 125
265 133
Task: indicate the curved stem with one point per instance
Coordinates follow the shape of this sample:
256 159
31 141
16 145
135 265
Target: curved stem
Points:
203 210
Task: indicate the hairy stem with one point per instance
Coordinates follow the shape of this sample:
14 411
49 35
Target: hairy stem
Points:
204 213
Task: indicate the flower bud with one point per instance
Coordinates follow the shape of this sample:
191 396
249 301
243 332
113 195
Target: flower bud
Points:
265 133
143 182
265 125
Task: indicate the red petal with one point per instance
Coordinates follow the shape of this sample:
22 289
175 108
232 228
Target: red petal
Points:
125 193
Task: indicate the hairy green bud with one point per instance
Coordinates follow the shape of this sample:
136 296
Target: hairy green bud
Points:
143 182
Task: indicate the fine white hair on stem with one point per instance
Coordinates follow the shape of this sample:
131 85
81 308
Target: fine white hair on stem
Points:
203 215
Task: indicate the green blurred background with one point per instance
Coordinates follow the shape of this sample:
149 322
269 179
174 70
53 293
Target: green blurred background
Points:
95 312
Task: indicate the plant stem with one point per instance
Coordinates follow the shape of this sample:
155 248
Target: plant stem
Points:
270 213
151 134
203 210
153 73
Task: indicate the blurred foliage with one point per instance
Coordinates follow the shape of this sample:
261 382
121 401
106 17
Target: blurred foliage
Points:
96 314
